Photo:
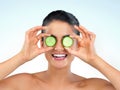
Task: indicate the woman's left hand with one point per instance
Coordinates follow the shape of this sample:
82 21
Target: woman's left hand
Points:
85 50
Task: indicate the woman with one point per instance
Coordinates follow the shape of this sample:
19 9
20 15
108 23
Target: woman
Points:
58 25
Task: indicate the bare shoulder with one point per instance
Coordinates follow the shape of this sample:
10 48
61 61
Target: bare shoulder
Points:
93 83
16 81
99 83
21 76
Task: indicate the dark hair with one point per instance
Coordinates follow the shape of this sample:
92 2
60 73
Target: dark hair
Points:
62 16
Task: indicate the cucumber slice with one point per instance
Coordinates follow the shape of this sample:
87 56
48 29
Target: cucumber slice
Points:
50 41
67 41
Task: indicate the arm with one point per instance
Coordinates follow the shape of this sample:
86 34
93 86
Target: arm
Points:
17 82
110 72
86 52
29 51
10 65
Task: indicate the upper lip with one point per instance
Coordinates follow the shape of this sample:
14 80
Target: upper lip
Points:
59 53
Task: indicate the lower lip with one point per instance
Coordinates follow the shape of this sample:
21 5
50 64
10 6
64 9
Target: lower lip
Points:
59 59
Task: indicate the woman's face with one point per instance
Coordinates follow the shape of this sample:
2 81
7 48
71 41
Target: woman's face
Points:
58 57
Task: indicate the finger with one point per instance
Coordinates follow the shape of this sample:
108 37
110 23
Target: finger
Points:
86 32
42 35
76 37
81 31
37 28
40 38
68 49
92 36
42 50
34 30
71 51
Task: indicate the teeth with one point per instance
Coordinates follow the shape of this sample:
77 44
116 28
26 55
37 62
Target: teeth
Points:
59 55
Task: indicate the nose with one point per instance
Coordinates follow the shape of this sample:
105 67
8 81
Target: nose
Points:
59 46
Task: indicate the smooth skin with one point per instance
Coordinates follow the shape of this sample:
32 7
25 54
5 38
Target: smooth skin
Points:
58 76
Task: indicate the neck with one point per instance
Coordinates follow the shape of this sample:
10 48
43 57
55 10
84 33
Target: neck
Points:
58 74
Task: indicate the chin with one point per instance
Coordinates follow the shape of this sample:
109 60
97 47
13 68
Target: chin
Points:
60 64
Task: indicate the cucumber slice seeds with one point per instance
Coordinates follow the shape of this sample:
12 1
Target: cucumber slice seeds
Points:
50 41
67 41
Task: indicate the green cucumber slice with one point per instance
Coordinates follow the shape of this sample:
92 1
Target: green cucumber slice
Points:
67 41
50 41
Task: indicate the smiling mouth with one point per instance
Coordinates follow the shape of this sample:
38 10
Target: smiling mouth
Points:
59 56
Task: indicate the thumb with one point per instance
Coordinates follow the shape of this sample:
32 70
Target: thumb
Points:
71 51
42 50
68 49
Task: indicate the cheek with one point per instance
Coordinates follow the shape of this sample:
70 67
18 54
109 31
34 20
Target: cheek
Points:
47 55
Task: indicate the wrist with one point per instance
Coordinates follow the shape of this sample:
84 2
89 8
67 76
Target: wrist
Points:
22 59
93 59
96 61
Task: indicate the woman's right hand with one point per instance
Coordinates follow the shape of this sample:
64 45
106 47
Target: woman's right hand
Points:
30 48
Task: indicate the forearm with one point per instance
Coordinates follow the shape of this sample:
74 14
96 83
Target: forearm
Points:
110 72
10 65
